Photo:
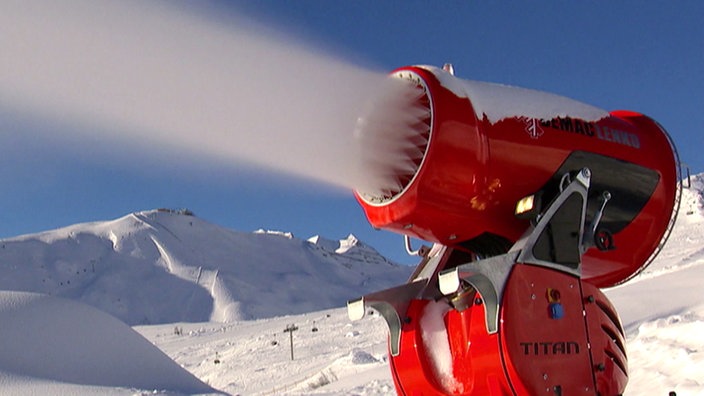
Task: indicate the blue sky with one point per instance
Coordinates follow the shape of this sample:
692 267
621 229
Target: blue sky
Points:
646 56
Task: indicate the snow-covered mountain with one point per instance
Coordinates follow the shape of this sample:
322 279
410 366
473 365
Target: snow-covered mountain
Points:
165 266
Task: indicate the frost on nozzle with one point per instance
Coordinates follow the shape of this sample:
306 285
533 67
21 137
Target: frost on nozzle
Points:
392 137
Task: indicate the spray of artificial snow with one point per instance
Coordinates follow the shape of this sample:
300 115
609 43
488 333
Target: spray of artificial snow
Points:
157 74
437 345
389 137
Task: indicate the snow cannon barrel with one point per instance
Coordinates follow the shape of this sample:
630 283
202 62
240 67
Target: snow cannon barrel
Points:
447 160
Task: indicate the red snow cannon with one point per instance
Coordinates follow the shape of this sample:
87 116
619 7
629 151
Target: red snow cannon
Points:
453 166
533 202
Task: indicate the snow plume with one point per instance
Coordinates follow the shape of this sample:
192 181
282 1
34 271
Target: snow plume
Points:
157 72
437 345
392 136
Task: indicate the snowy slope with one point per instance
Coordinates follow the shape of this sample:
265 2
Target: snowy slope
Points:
50 345
662 309
163 266
255 357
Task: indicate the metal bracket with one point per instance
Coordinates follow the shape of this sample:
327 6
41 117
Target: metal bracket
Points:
391 304
422 250
580 186
591 232
488 277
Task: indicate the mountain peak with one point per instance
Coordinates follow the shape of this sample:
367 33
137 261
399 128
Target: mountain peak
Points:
162 266
347 243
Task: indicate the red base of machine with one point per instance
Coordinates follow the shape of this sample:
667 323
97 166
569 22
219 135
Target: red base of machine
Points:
548 321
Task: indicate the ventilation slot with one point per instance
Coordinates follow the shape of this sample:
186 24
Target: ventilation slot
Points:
613 317
618 341
617 361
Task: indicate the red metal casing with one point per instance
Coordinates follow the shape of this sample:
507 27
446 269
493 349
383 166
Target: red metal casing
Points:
447 352
476 365
475 170
580 353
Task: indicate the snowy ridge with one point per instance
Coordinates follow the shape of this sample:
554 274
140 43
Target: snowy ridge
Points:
693 198
163 266
349 251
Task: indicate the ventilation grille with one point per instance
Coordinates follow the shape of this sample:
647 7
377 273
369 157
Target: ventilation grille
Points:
393 138
614 347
